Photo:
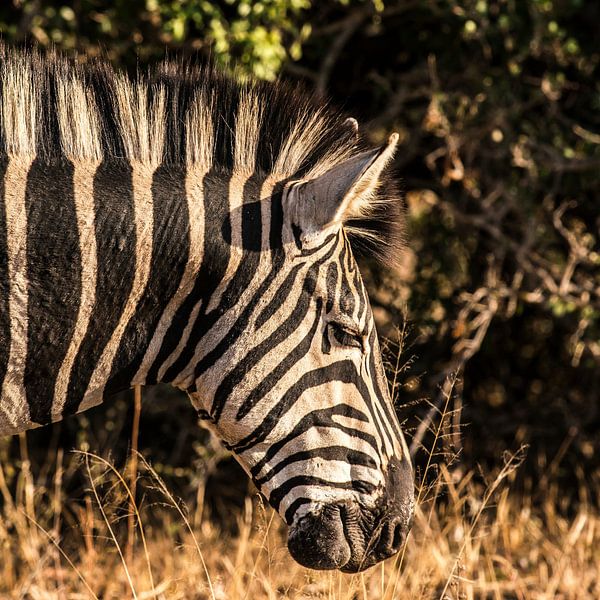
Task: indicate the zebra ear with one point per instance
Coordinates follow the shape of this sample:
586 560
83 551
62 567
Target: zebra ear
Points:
343 192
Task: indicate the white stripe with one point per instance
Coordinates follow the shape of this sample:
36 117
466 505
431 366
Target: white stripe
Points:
251 338
331 471
378 413
14 409
184 379
213 337
247 128
312 439
194 188
83 188
323 495
142 198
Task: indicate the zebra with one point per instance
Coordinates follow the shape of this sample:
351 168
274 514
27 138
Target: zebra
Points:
183 226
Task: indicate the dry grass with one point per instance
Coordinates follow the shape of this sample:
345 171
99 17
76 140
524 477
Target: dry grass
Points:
469 540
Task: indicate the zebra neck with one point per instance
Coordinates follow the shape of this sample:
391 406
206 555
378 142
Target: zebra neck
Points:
114 274
194 238
145 284
236 232
201 255
90 255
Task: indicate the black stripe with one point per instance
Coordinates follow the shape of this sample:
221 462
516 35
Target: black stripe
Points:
214 265
252 217
203 291
251 226
276 233
277 337
331 284
280 296
115 248
174 332
352 265
383 405
216 251
241 324
347 301
343 371
4 282
325 343
54 279
317 418
170 251
328 239
251 229
362 301
293 507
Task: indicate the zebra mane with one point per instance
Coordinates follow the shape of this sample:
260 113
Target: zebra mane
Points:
181 113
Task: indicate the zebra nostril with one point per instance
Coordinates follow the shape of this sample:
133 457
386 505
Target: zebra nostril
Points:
392 537
398 537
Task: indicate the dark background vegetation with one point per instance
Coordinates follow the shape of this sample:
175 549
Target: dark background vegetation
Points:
497 103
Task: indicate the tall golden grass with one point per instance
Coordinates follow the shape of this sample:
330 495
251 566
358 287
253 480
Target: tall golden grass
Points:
469 540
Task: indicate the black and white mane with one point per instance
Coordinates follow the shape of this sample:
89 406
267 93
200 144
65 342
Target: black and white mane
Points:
182 113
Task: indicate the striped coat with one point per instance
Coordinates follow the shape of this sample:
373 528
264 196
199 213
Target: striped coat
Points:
185 228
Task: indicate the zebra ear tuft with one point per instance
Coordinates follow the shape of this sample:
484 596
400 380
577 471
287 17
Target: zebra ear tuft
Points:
352 124
342 193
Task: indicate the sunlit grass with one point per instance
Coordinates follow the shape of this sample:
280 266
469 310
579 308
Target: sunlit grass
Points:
469 540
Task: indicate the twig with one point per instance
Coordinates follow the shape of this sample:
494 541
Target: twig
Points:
109 527
133 469
351 24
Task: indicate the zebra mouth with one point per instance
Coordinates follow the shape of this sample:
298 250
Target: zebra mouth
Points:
343 537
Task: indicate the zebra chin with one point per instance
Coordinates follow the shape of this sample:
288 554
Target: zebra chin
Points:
350 536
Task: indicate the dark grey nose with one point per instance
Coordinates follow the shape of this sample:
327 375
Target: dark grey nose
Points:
343 537
397 510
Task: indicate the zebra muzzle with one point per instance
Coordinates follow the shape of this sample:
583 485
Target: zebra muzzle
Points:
343 536
352 537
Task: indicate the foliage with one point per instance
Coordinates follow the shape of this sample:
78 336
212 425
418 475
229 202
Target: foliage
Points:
497 103
257 36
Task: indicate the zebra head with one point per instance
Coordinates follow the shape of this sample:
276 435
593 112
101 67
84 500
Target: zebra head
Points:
298 392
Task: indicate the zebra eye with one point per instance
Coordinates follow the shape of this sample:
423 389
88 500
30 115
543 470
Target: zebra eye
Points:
344 336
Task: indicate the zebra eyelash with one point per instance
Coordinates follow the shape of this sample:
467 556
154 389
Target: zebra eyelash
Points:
344 336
